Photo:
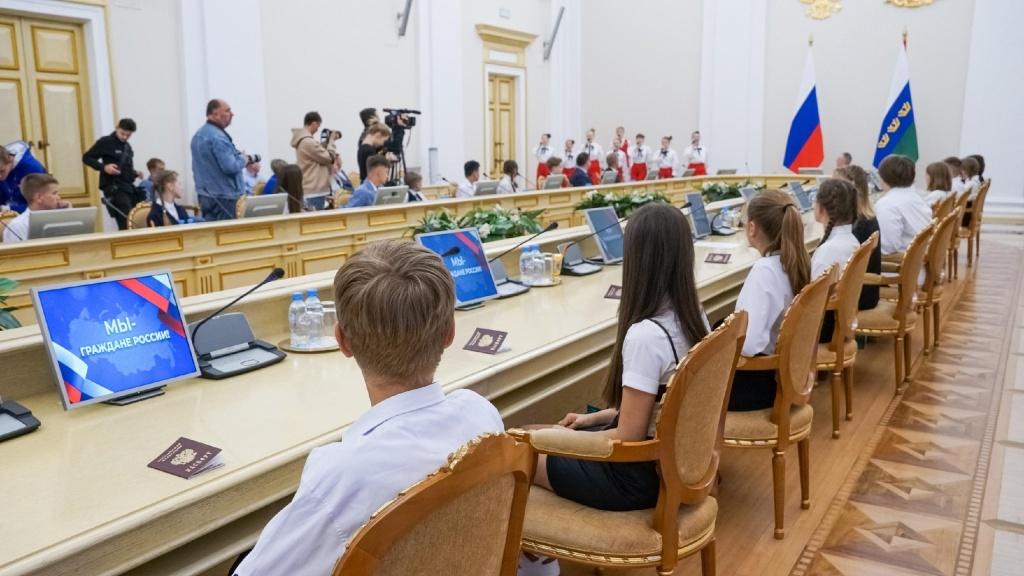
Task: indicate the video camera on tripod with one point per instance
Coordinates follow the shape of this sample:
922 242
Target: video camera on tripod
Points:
400 117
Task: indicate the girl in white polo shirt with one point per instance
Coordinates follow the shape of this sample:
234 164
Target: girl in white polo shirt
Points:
660 318
835 206
774 227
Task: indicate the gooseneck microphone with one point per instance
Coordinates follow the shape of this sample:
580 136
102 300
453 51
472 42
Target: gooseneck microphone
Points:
276 274
13 233
550 227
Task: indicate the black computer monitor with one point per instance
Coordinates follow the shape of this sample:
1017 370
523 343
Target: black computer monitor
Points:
699 215
605 223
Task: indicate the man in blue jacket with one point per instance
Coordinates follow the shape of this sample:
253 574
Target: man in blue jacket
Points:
217 165
16 162
377 168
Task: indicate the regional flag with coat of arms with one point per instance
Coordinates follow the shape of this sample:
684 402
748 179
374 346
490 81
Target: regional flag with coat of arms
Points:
898 135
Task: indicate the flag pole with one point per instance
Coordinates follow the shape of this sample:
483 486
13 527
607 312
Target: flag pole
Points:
810 40
904 37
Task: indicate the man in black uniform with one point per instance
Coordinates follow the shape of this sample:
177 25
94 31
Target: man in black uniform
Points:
113 157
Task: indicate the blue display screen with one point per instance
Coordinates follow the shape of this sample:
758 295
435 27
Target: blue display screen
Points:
604 222
111 338
463 256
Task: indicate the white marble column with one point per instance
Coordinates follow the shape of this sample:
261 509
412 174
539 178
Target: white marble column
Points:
223 58
442 125
564 69
993 117
732 85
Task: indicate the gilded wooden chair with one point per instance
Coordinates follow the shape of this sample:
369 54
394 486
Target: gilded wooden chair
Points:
686 447
838 356
5 217
972 232
340 198
929 299
240 206
138 214
355 179
929 296
942 208
959 208
466 518
898 319
789 420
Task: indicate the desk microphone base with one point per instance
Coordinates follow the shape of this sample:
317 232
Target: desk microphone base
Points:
464 307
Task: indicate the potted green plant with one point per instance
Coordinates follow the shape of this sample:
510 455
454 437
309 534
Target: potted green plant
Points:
494 223
7 319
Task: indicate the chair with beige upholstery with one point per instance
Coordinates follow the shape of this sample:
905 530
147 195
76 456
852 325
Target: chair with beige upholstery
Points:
897 319
477 500
935 279
138 215
941 209
5 217
838 356
929 296
686 447
972 232
340 199
959 208
789 420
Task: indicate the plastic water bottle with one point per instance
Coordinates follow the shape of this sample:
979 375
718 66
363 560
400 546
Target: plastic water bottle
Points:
525 256
538 266
295 311
315 312
534 265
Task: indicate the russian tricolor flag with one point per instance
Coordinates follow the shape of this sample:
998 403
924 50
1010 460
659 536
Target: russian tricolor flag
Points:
804 146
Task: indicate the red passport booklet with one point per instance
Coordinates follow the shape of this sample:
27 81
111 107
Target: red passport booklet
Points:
187 458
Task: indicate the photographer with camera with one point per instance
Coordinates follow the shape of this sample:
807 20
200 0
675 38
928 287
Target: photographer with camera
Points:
315 153
113 158
217 165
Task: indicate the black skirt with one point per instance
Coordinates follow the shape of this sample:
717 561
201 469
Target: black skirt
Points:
612 486
752 390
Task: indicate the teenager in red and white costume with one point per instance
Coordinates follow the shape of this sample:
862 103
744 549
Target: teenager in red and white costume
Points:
542 152
596 154
640 155
666 159
568 158
696 156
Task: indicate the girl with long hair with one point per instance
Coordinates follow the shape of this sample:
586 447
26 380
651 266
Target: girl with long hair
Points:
660 319
865 225
774 227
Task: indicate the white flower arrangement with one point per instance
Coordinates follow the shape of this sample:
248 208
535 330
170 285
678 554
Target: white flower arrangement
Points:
485 231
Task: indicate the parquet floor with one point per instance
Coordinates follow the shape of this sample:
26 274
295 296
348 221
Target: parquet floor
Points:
907 488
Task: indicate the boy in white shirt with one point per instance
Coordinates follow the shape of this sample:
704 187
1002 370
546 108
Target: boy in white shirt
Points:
467 187
41 192
902 212
395 316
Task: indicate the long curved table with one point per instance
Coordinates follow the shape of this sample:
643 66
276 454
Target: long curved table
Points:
79 499
215 256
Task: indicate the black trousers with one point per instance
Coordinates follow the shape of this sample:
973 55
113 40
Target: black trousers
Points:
120 201
752 390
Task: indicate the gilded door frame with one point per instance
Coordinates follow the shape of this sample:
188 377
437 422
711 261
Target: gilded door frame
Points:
504 53
94 18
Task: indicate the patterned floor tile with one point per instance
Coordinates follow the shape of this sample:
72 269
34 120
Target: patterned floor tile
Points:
913 508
